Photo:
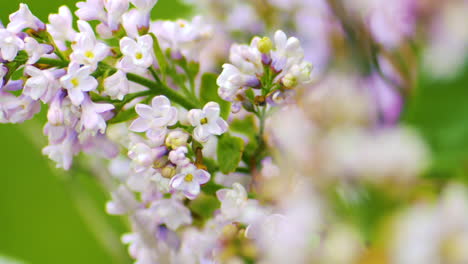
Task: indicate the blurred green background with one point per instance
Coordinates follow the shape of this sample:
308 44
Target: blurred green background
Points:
40 219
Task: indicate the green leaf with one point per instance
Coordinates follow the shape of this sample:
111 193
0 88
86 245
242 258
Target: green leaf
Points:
123 116
159 55
246 126
204 205
229 152
209 92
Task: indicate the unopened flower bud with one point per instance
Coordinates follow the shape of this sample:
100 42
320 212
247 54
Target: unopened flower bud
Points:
289 81
265 45
176 138
168 171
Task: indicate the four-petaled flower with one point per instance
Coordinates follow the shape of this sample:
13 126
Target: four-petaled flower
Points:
207 122
137 54
77 81
188 181
155 117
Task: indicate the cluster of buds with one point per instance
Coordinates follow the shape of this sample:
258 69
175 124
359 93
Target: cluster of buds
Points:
264 72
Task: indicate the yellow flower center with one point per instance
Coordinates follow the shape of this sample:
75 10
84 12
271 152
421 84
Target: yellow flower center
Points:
139 56
181 24
204 121
75 82
89 54
188 178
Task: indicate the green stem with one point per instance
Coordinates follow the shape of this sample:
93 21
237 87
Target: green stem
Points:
163 90
53 62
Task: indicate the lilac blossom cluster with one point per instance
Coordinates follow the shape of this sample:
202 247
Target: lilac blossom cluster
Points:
261 162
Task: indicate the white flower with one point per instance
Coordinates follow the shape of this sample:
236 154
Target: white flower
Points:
232 201
123 201
172 213
91 10
92 115
247 58
134 20
145 5
137 54
62 153
298 74
87 50
176 138
116 86
23 18
178 156
142 154
183 38
231 80
188 181
207 122
77 81
35 50
60 26
287 53
10 44
41 85
115 10
155 117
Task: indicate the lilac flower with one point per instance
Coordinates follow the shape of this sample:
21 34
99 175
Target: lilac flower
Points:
91 10
137 54
87 50
231 80
172 213
145 5
10 44
207 122
60 27
248 59
287 52
35 50
42 84
178 156
188 181
142 154
115 10
116 86
62 153
98 144
17 109
3 72
77 81
123 201
183 38
232 201
92 118
62 111
155 117
299 74
176 138
22 19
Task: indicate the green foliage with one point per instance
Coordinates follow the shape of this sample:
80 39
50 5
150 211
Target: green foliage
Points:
229 152
159 56
209 92
246 126
204 205
439 111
